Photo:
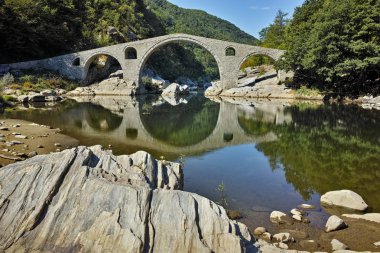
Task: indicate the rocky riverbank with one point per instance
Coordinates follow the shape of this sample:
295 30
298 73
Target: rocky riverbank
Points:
22 139
86 199
291 231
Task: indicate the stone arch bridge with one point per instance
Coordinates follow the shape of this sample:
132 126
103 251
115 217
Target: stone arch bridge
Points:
133 55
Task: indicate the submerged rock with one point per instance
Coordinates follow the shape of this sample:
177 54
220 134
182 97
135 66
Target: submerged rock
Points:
280 218
88 200
344 198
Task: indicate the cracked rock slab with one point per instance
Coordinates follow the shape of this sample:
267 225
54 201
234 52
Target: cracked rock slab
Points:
88 200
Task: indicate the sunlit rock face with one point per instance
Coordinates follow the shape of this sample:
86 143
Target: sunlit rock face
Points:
86 199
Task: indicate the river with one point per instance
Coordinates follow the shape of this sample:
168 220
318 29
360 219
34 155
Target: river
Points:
254 157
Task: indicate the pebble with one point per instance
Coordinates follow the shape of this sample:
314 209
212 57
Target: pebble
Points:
57 144
283 237
259 231
377 244
297 217
20 136
306 206
40 146
5 150
110 146
31 154
17 125
58 150
4 128
266 236
295 211
337 245
16 142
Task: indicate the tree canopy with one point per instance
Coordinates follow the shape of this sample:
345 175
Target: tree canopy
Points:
332 45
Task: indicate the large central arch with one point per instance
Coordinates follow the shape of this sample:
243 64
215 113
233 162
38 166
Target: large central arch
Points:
168 41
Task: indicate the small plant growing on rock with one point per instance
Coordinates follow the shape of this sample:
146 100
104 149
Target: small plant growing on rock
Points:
221 188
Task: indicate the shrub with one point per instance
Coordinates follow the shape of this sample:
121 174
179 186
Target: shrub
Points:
27 78
7 79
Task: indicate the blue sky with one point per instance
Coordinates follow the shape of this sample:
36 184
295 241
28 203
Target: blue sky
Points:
249 15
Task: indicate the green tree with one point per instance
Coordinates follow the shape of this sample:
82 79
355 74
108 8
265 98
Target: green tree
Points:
335 45
273 36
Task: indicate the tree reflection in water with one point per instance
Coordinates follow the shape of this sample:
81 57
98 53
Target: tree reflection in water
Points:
181 125
325 148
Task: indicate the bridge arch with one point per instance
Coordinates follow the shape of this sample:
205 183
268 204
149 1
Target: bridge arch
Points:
91 59
274 58
166 41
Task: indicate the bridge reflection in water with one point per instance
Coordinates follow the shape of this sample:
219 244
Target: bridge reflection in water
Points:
293 153
199 126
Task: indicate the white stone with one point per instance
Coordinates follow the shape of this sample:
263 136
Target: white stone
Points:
20 136
266 236
279 217
297 217
282 237
334 223
259 231
307 206
344 198
377 244
337 245
295 211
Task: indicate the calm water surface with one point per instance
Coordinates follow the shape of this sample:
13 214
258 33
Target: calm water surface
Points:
269 155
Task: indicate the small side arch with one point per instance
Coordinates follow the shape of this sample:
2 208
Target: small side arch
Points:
230 51
130 53
76 62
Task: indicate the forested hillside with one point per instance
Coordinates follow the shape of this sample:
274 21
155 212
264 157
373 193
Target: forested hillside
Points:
175 19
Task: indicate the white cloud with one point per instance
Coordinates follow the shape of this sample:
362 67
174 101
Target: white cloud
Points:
264 8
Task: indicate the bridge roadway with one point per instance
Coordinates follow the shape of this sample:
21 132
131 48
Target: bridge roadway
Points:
132 57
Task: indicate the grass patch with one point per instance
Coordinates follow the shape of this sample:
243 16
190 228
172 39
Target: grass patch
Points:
308 92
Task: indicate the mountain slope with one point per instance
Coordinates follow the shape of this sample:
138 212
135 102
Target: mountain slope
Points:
196 22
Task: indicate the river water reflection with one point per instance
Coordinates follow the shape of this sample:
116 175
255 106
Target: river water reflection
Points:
269 155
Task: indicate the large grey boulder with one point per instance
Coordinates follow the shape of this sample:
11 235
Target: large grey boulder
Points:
344 198
88 200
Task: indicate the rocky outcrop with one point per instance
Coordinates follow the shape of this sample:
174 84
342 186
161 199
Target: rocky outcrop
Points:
111 86
344 198
174 90
88 200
